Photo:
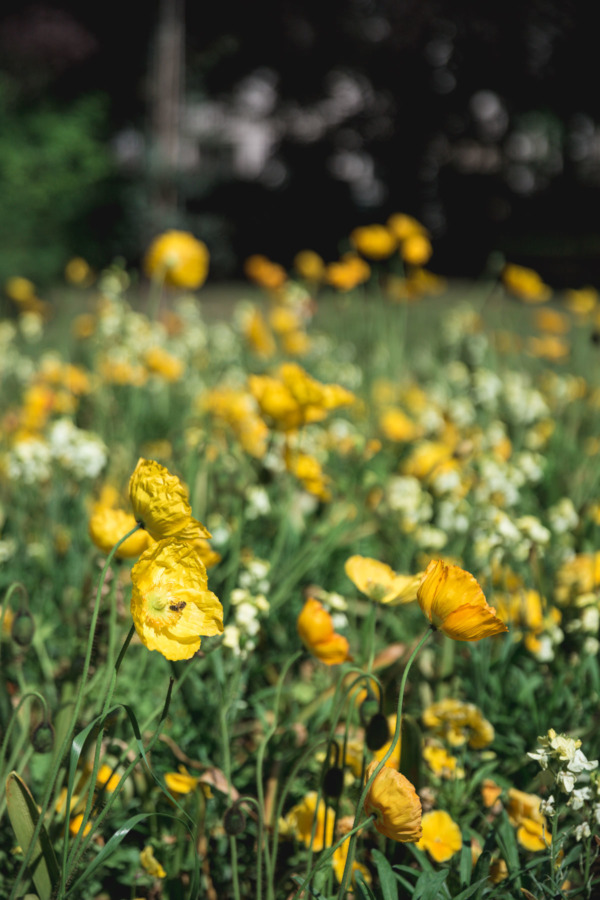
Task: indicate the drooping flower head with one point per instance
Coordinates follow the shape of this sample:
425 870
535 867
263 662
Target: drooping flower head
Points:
453 601
395 803
160 503
170 603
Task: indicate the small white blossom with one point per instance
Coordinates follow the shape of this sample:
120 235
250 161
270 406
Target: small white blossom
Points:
582 831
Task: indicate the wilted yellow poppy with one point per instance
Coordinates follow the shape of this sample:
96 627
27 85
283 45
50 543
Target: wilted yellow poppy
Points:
441 835
379 581
107 526
170 604
395 803
160 503
453 601
318 634
178 258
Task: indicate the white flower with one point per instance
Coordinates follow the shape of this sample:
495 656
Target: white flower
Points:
565 781
547 806
579 797
579 763
542 756
564 747
582 831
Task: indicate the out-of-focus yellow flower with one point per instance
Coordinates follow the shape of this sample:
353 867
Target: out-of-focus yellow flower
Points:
441 836
549 347
265 273
160 503
160 362
403 226
525 284
238 409
179 258
441 762
379 581
299 822
106 779
453 601
552 321
78 272
308 470
83 326
295 343
170 604
524 814
107 526
19 289
338 864
75 825
427 459
294 398
582 302
374 241
498 871
578 575
458 723
397 427
283 320
150 863
115 369
181 782
318 634
416 250
395 803
258 334
309 265
393 761
490 792
348 272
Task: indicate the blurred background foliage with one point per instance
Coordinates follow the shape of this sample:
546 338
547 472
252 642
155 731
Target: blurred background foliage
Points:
274 126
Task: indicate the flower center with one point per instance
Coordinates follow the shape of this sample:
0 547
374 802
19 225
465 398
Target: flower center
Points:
162 609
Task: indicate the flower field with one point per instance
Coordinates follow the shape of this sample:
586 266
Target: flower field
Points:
300 598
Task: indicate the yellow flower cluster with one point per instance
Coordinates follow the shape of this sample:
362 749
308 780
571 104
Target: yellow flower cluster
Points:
458 723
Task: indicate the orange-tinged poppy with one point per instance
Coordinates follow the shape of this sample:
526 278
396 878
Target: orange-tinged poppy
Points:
160 503
317 633
170 604
394 802
453 601
379 581
441 836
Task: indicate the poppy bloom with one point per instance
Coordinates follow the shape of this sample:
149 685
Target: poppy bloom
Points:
453 601
317 633
170 603
179 258
379 582
299 822
524 815
395 803
160 503
107 526
441 835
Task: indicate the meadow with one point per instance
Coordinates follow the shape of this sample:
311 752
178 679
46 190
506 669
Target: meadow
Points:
299 583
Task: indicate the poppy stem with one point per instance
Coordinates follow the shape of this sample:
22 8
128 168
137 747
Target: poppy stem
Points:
381 764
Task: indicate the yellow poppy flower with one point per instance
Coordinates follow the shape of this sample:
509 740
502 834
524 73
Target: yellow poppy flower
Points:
309 265
265 273
107 526
395 803
379 581
393 761
416 249
150 863
404 226
490 792
524 814
441 835
170 604
107 779
338 864
75 825
525 284
159 362
453 601
374 241
160 503
317 633
397 427
181 782
179 258
299 822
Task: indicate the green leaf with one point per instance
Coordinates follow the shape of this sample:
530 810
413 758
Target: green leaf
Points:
468 892
387 879
466 864
430 884
24 816
362 889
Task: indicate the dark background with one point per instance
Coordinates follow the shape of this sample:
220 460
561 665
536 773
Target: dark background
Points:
280 125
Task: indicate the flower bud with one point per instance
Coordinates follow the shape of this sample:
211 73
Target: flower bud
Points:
378 732
42 738
234 820
333 782
23 628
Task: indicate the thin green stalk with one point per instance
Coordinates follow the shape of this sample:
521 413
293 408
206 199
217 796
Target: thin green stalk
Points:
329 853
74 716
13 720
380 765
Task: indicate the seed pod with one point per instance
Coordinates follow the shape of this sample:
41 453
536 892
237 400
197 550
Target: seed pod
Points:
42 738
23 628
378 732
333 782
234 820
